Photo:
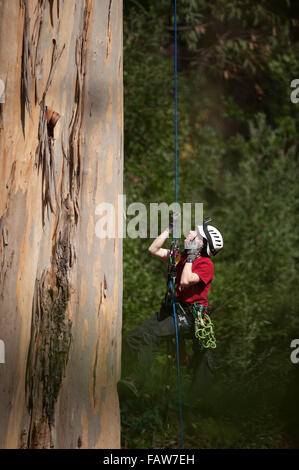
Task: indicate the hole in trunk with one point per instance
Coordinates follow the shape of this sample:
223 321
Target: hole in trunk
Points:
51 118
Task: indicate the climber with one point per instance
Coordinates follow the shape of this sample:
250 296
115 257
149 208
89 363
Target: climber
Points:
194 276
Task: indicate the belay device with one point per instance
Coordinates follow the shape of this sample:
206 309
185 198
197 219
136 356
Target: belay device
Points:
166 305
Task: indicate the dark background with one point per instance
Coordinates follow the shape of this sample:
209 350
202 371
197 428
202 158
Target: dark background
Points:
237 154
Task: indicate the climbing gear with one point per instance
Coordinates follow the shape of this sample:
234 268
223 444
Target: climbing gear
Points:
173 254
212 235
203 326
174 258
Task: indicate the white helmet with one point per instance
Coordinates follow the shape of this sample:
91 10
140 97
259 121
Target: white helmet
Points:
212 235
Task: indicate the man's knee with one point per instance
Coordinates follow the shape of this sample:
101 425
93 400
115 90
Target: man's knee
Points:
143 334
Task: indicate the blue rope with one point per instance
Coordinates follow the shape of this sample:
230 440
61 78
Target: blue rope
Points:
176 107
178 365
175 225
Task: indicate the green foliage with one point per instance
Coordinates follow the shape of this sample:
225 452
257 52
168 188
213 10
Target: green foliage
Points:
238 154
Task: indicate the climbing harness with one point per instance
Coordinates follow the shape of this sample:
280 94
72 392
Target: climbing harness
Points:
203 326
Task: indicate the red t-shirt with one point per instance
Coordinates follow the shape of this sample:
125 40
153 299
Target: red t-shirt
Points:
204 268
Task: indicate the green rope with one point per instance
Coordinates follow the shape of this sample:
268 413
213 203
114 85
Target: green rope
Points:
204 328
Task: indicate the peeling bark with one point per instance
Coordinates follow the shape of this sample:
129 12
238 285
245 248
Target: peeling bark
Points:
60 306
51 334
26 71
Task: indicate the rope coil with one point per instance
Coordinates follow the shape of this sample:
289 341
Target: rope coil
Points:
204 328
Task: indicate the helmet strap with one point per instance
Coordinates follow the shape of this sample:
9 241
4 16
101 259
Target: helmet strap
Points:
208 236
204 248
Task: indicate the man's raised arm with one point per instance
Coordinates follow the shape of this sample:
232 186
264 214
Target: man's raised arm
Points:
156 247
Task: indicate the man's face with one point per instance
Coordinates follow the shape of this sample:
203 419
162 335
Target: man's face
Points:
193 237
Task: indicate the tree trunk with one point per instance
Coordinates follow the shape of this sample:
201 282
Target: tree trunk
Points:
61 153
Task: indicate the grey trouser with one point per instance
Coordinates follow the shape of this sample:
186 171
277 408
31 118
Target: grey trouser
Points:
142 344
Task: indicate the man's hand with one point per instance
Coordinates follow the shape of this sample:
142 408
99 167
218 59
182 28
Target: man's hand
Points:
191 254
174 220
192 249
